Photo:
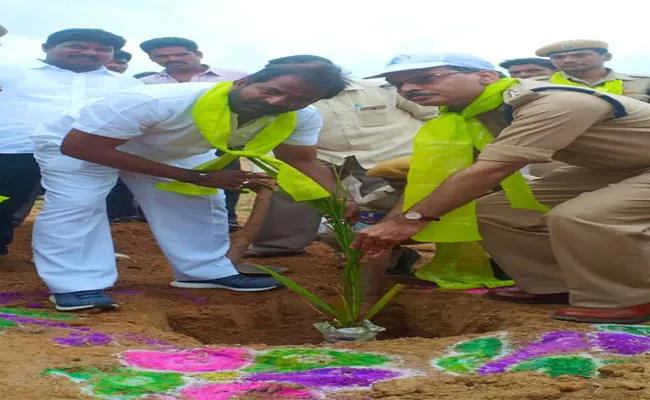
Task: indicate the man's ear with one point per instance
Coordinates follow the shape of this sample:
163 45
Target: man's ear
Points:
608 57
46 47
240 83
199 54
487 77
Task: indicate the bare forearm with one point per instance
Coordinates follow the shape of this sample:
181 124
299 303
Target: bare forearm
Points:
113 158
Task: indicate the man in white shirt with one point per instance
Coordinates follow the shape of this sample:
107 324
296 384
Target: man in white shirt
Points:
71 75
362 126
147 136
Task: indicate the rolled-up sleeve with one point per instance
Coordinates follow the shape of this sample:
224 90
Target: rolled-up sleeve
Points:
546 125
120 116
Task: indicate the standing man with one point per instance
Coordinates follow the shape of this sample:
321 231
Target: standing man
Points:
525 68
362 126
71 75
182 61
157 134
120 61
582 63
578 235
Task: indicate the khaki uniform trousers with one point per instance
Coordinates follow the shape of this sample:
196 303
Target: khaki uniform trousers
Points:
594 243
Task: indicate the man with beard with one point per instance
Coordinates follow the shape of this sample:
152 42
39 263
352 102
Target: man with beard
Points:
71 75
160 141
581 63
577 236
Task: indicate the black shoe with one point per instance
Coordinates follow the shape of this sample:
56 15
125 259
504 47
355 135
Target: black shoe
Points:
498 272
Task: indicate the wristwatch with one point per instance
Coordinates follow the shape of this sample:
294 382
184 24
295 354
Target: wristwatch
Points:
199 176
416 216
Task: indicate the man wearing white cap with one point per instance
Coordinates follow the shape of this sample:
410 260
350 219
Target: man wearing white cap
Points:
578 235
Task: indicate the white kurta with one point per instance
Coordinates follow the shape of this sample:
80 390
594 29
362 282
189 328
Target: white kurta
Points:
72 243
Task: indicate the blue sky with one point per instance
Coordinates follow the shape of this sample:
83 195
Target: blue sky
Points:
360 35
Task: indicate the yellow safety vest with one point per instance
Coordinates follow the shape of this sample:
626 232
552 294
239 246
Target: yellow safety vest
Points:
442 147
212 116
613 87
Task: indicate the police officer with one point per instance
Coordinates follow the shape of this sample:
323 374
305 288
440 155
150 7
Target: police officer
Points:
582 63
590 250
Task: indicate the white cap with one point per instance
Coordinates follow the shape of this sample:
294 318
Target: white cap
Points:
408 62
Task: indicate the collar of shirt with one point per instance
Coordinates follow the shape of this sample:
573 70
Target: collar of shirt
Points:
611 76
209 71
40 64
354 86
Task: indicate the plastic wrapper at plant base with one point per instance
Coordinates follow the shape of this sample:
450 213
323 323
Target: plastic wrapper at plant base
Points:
366 333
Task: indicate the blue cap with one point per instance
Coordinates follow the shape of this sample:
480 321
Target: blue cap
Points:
413 61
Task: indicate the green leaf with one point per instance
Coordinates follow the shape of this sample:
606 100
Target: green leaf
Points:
385 299
343 313
300 290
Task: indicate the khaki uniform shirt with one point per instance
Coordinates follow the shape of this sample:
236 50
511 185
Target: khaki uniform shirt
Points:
635 86
369 122
575 128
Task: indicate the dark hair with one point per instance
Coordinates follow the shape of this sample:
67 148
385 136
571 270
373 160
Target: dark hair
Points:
122 55
143 74
324 76
300 59
86 35
160 43
542 62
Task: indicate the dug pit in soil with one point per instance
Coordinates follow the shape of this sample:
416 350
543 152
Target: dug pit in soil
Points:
288 320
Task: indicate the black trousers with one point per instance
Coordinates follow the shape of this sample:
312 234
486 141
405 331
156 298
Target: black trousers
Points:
120 202
19 176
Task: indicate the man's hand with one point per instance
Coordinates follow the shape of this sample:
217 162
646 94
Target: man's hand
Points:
374 240
258 183
231 180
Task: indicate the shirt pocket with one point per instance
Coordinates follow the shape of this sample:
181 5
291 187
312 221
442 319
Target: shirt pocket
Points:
370 116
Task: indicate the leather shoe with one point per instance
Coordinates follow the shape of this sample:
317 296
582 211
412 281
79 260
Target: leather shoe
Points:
625 315
521 297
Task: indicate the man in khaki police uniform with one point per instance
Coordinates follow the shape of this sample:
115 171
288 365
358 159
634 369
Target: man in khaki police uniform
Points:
582 63
591 249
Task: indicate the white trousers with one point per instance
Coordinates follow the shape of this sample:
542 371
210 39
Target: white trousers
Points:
73 248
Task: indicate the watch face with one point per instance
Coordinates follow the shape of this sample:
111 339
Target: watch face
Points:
412 215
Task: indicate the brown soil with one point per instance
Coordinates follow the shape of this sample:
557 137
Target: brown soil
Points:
420 325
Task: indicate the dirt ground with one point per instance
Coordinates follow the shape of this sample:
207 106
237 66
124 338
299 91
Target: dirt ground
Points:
420 326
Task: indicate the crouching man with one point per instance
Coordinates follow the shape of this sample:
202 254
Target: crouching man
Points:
160 141
577 236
